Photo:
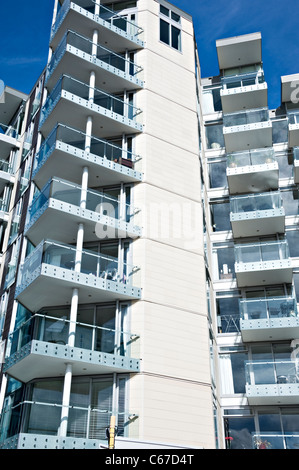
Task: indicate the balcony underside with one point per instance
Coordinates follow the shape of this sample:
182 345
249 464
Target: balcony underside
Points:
293 135
264 273
273 394
74 111
59 221
248 136
78 64
248 97
84 23
53 286
248 224
253 179
265 329
39 359
67 162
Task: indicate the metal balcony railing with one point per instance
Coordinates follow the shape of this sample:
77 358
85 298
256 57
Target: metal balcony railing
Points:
242 80
85 45
110 17
251 158
262 251
242 118
255 202
262 372
58 330
92 95
71 193
268 308
67 257
75 138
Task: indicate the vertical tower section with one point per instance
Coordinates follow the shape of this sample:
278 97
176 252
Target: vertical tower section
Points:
173 389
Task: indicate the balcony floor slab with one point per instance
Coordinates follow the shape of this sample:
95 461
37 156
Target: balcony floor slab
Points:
39 359
53 286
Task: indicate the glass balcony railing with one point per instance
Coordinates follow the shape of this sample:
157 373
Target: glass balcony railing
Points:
262 372
110 17
85 45
255 202
10 131
88 422
242 118
242 80
274 440
262 251
57 330
268 308
76 139
293 117
6 166
72 194
85 262
251 157
82 91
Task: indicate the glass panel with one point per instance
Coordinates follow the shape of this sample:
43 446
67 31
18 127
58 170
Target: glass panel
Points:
101 408
105 336
176 38
217 175
164 32
239 432
215 138
228 314
78 416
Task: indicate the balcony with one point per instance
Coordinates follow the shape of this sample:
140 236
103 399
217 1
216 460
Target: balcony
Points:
244 91
56 267
84 16
36 425
272 383
293 117
267 319
239 51
257 214
40 348
252 171
263 263
247 130
62 204
64 154
73 102
78 56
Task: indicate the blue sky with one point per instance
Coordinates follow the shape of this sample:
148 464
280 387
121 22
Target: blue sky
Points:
25 29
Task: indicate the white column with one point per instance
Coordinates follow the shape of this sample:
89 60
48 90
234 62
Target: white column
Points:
97 7
84 188
66 400
88 133
95 40
92 84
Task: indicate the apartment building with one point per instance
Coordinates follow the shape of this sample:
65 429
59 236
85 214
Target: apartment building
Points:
103 303
249 154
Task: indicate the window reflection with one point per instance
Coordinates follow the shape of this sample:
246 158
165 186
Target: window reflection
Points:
214 134
217 175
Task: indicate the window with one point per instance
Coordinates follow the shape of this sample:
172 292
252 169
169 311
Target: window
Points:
170 33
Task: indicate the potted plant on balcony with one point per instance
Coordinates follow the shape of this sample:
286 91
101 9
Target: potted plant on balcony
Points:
262 444
231 162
